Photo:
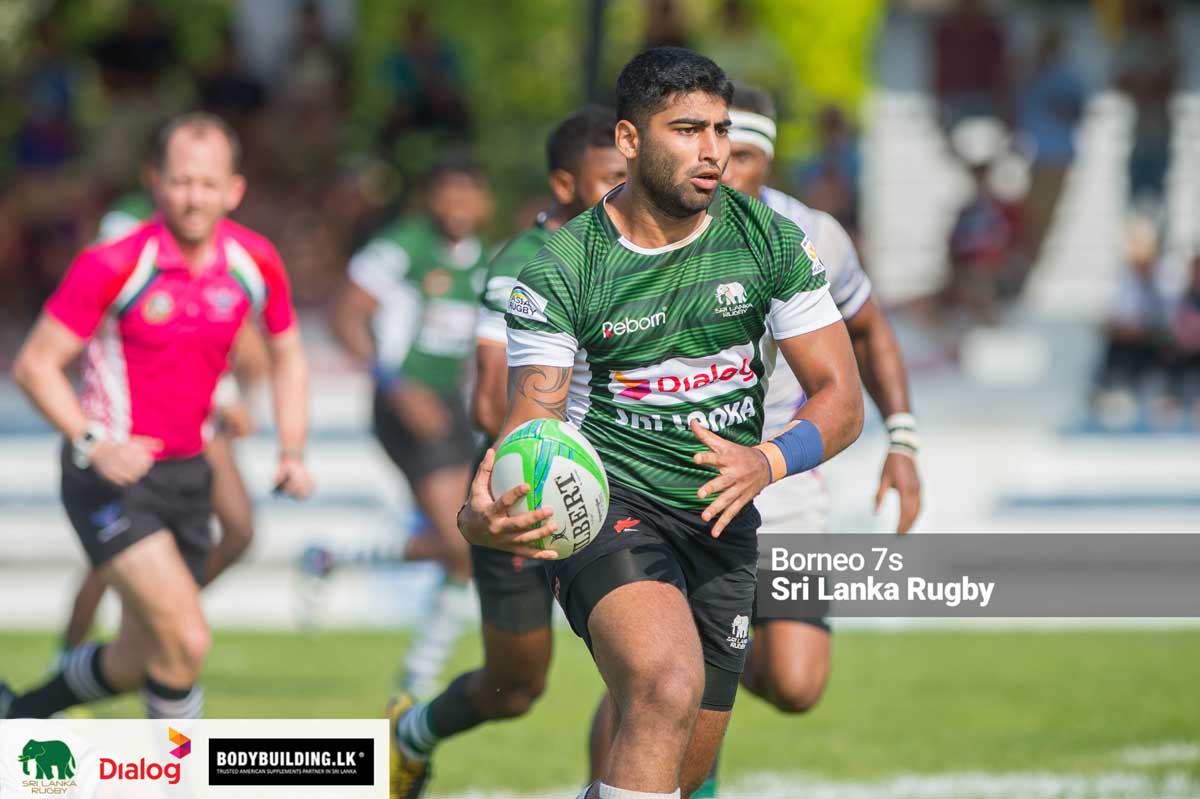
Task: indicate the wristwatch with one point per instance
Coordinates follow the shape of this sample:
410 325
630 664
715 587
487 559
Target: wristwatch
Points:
83 446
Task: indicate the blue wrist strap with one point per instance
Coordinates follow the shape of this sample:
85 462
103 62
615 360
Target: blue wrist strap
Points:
385 378
801 446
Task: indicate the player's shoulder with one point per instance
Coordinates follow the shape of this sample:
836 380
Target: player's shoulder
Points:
805 216
410 233
120 255
137 204
766 232
579 244
256 245
518 251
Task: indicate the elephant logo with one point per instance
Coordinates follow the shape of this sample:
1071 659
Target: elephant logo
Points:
47 755
741 632
731 294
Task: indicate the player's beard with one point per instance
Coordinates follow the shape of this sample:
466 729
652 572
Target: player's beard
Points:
656 173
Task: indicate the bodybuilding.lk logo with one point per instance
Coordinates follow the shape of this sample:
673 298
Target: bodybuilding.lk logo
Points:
142 771
731 300
741 632
47 757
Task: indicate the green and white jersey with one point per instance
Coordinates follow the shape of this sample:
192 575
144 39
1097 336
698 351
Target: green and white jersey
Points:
659 337
502 276
428 291
126 212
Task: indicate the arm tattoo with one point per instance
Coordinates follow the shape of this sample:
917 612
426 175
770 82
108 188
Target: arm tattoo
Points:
541 385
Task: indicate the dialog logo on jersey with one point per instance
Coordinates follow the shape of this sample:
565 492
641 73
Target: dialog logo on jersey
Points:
686 379
631 325
527 304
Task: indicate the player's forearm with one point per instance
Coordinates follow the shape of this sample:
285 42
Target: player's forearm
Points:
352 329
490 400
836 410
52 394
289 388
881 364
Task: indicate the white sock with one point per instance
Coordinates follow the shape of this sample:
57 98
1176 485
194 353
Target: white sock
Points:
610 792
453 607
412 730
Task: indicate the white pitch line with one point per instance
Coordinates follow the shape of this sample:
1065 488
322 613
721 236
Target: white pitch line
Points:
1177 752
967 785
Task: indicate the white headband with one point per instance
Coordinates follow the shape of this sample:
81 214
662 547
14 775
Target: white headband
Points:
748 127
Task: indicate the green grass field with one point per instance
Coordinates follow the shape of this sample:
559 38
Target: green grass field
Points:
1076 705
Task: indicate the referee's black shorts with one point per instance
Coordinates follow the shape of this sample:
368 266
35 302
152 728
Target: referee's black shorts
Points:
175 495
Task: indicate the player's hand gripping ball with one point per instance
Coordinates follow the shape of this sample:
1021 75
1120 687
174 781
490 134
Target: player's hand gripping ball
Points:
564 474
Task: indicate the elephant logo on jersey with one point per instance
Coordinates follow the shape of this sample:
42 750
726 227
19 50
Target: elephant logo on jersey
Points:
731 300
731 293
741 632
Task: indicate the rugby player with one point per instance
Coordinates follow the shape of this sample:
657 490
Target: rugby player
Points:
155 314
788 661
663 594
584 164
407 313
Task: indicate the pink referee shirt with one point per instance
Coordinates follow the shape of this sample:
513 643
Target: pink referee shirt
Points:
158 336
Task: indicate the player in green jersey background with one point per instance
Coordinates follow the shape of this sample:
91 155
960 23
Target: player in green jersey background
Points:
407 313
641 321
515 599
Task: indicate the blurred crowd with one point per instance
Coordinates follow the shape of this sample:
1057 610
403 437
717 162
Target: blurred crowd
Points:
86 113
1013 119
320 180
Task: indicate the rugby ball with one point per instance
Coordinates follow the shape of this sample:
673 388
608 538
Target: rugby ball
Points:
564 474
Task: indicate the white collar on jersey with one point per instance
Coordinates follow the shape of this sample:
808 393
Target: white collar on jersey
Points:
675 245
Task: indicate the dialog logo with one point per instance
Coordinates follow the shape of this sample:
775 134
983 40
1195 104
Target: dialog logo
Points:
686 379
149 771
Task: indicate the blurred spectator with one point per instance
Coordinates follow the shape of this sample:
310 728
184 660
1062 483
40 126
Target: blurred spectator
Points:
316 71
1185 345
226 89
135 56
1050 104
665 24
314 94
984 247
47 135
1137 331
969 64
1147 69
134 61
829 180
425 77
746 51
